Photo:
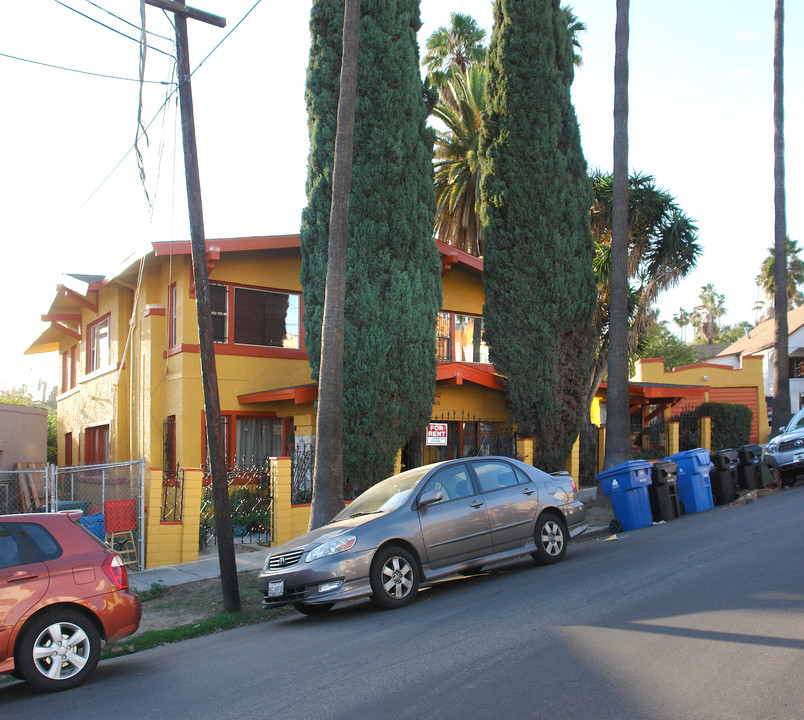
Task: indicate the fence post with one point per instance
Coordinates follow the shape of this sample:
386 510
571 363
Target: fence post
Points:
280 500
673 435
573 464
600 450
706 433
524 450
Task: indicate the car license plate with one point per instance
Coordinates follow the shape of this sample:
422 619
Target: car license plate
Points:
798 457
276 588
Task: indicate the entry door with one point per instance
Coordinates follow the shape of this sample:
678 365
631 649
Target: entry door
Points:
23 581
456 528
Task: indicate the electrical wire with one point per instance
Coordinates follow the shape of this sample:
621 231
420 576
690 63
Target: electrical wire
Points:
82 72
152 120
108 27
130 24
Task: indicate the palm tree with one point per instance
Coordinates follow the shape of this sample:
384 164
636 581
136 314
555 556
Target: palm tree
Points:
328 469
457 161
682 319
795 274
575 27
781 375
618 435
705 315
452 50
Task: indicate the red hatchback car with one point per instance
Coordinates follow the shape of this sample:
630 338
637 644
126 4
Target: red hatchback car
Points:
62 593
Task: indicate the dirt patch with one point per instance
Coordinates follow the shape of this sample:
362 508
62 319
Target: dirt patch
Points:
165 608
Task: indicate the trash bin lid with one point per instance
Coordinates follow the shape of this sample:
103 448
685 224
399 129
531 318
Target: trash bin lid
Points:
749 453
663 472
625 476
696 460
724 459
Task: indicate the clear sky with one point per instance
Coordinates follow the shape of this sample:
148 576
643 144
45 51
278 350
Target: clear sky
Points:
701 122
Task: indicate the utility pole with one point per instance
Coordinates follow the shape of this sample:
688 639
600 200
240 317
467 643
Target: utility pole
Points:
209 373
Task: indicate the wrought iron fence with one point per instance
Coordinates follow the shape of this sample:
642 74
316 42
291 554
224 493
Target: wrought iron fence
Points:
467 436
302 461
689 427
172 495
250 500
649 441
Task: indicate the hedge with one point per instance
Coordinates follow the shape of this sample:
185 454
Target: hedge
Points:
731 424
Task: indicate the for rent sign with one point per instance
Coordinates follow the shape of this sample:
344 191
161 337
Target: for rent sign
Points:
437 434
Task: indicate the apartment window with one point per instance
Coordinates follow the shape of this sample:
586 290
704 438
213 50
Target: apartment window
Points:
98 344
64 372
172 313
96 445
219 297
469 345
257 439
443 336
269 319
796 368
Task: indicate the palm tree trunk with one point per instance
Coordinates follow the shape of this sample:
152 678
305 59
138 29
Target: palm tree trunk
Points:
328 470
781 375
618 423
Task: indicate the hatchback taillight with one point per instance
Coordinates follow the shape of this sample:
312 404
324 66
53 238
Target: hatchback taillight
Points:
115 570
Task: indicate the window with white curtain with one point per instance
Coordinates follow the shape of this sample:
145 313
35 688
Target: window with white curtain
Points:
257 439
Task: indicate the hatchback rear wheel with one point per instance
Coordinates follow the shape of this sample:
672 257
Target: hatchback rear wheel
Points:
551 540
394 577
59 650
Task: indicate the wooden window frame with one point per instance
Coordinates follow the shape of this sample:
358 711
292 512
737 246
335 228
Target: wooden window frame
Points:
93 361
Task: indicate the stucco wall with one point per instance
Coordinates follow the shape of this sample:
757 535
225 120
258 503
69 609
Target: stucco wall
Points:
23 435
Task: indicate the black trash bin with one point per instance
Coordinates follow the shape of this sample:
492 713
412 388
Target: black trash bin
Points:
663 491
749 471
723 476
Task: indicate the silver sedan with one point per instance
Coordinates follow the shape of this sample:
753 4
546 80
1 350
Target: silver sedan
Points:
422 525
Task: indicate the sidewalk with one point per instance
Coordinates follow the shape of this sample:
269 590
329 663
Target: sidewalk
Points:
247 557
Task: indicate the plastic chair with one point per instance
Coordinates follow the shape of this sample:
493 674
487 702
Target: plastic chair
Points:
120 520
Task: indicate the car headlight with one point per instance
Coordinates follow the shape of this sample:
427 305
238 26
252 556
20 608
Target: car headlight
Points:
331 547
772 447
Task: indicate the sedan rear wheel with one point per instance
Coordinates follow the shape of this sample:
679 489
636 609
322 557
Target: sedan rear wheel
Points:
59 650
551 540
394 578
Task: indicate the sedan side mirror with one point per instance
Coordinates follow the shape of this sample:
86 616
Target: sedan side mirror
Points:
428 498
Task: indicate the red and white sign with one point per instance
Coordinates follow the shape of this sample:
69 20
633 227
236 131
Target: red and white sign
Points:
437 434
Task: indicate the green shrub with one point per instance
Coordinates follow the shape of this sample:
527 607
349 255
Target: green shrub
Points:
731 424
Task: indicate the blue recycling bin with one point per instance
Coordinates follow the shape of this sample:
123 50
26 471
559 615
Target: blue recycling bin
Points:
627 484
95 525
692 480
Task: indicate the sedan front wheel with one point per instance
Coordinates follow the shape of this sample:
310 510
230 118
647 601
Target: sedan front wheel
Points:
394 578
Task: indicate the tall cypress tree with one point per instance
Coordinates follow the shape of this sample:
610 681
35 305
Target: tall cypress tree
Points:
393 284
535 200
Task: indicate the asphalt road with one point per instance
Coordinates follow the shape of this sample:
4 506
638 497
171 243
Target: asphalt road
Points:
700 618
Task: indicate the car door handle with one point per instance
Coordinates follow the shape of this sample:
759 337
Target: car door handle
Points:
476 504
529 491
22 578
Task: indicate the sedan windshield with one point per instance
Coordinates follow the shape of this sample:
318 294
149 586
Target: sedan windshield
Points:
384 496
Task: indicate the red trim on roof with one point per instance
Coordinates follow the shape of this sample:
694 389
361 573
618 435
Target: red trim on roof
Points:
451 255
454 373
269 242
300 395
80 299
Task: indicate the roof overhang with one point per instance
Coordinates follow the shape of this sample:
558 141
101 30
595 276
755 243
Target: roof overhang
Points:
300 395
455 373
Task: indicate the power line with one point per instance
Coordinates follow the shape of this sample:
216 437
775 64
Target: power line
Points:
130 24
152 120
108 27
82 72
